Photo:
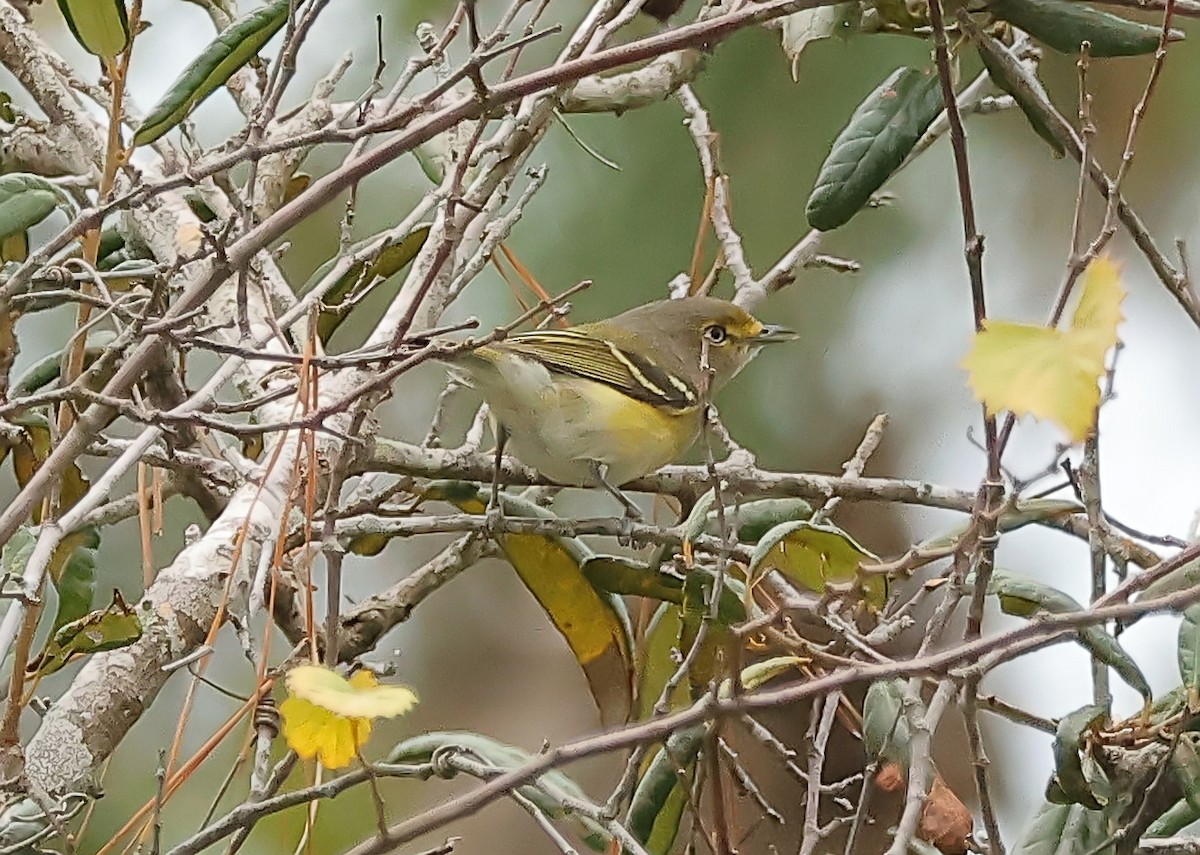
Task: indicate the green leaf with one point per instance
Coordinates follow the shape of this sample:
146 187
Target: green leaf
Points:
390 260
1012 517
709 662
233 48
73 571
31 452
697 521
111 240
656 664
751 520
1185 762
757 675
1026 598
16 552
593 622
1065 25
100 26
655 810
1178 817
886 732
1070 779
296 185
816 557
662 835
367 545
1168 705
49 368
546 792
15 247
138 275
1187 575
1189 654
39 375
662 792
880 134
108 629
627 577
988 49
25 200
1064 830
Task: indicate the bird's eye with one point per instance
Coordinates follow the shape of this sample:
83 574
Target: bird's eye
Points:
716 334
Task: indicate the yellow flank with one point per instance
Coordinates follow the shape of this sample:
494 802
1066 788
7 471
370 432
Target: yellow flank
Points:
573 422
637 437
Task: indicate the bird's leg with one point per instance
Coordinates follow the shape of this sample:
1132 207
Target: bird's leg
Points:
600 473
495 511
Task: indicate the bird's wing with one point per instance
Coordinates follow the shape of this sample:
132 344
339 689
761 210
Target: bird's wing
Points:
592 358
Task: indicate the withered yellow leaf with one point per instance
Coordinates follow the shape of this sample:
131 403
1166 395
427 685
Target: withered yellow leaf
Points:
1051 373
359 697
1094 324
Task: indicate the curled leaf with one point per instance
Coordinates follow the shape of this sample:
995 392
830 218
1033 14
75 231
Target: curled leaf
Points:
551 792
946 822
886 732
1026 598
25 200
73 571
1065 25
1189 655
1058 829
656 662
818 557
627 577
1072 785
1185 760
390 260
988 50
752 520
107 629
800 29
31 452
661 794
233 48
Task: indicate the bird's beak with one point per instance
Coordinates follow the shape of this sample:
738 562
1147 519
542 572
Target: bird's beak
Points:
772 333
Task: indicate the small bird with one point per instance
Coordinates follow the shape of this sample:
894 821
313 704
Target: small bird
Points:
603 403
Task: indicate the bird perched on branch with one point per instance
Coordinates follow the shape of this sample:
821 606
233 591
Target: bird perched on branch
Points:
603 403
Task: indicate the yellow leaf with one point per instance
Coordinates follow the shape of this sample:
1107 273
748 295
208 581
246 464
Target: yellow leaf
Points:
593 622
1050 373
1099 309
313 731
359 697
1035 371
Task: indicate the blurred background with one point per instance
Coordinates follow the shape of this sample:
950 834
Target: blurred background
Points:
888 339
